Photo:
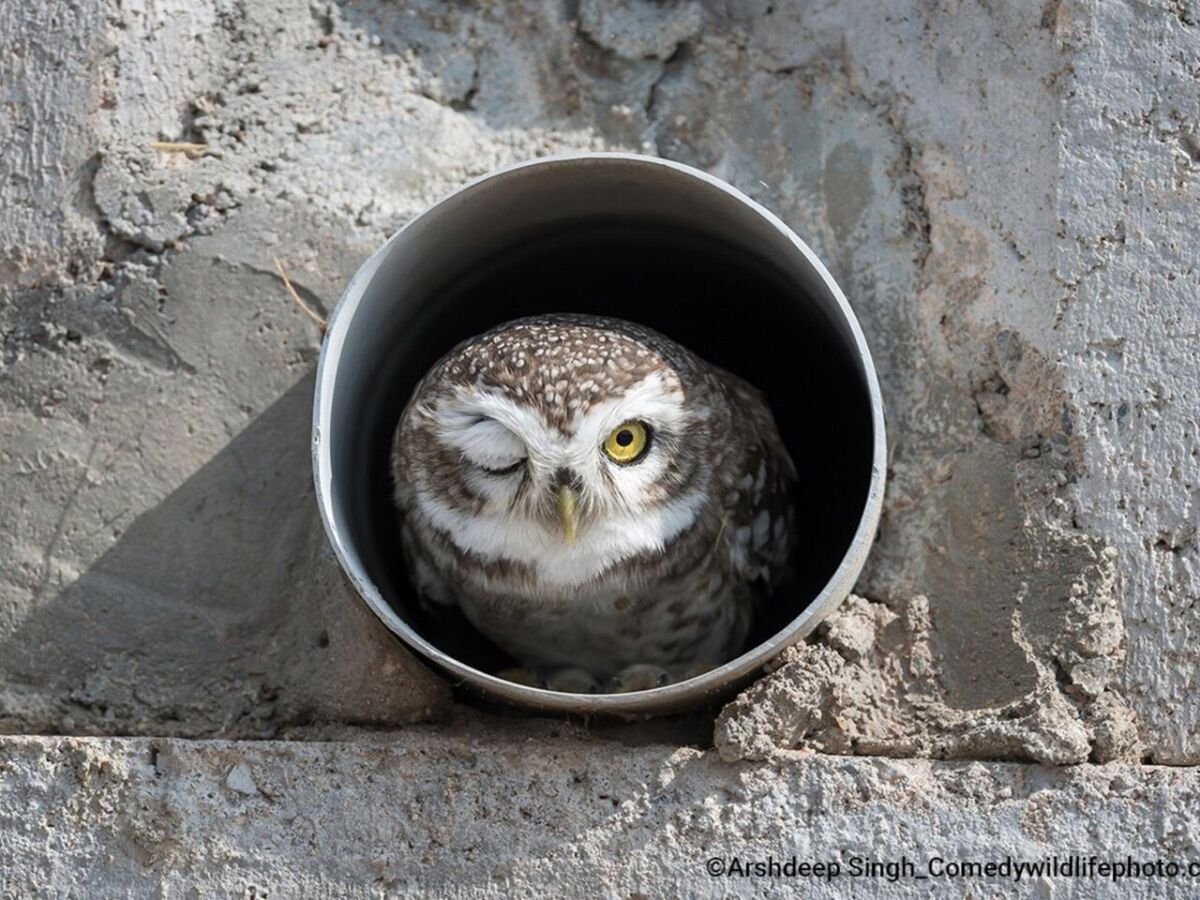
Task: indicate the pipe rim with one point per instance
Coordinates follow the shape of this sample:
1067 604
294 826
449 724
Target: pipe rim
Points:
692 691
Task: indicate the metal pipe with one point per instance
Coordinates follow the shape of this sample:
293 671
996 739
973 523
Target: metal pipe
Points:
397 315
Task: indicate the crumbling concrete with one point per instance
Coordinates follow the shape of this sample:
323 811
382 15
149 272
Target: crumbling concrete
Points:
872 685
1003 191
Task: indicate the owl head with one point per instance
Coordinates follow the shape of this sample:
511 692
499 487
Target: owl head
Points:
565 444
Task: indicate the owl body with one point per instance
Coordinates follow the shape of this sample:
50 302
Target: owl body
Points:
592 494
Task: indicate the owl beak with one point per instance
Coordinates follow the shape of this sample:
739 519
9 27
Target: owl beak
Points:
567 512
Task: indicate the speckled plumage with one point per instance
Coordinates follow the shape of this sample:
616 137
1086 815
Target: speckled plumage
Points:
673 551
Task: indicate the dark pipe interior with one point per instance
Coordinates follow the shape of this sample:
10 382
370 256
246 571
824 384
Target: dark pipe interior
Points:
729 307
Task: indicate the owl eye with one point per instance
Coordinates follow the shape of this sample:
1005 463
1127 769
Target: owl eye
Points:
627 442
507 470
485 444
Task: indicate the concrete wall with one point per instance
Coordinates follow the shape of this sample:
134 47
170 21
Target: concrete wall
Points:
472 812
1007 193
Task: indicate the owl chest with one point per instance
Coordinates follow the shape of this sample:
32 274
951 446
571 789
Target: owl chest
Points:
648 615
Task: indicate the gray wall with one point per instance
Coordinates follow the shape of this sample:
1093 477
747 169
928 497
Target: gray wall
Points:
1007 193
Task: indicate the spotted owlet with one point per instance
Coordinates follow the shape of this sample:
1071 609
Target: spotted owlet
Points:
595 498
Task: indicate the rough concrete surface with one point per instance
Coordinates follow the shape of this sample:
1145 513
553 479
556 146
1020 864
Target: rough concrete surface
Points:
547 811
871 686
1007 193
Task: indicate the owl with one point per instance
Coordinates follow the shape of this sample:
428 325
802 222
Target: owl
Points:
597 500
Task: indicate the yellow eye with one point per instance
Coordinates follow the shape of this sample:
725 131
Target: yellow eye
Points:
627 442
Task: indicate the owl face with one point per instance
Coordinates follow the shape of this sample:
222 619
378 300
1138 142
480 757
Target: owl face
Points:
562 446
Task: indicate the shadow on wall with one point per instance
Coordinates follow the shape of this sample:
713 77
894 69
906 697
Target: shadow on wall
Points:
207 615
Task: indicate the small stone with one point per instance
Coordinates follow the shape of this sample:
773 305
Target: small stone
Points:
240 780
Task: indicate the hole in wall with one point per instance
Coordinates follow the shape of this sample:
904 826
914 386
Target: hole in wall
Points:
727 305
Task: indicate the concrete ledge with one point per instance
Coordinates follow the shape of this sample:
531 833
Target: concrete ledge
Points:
478 809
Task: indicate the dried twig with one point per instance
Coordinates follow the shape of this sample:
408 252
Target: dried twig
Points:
308 310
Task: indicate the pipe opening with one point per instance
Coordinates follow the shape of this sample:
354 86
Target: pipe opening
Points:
706 282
